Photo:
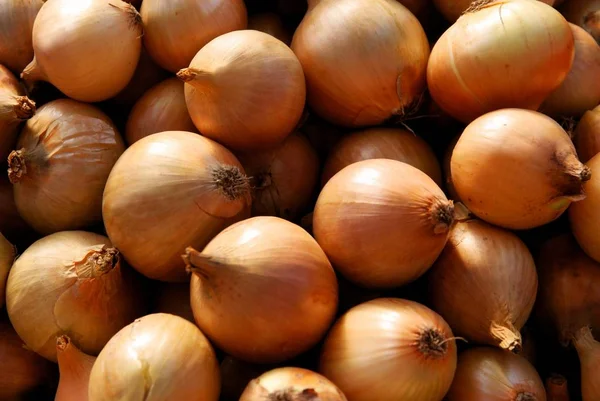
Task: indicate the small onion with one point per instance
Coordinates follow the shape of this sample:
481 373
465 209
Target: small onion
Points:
168 191
452 9
587 135
245 89
270 23
263 290
390 349
585 13
557 388
585 215
7 257
16 26
63 158
159 357
588 350
235 376
75 368
71 282
174 299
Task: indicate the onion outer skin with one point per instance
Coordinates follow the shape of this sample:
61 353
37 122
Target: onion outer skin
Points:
585 215
585 13
270 23
588 350
75 368
587 135
7 257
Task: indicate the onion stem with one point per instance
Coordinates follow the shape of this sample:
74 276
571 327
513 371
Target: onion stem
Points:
16 166
24 108
510 338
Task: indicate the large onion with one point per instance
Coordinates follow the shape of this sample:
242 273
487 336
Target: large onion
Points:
517 169
245 89
270 23
452 9
587 135
585 215
588 350
361 73
263 290
7 257
71 282
505 40
390 349
168 191
585 13
63 158
75 368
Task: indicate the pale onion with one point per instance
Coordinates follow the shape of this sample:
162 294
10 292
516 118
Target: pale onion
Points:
527 59
361 73
292 384
245 89
587 135
87 49
71 282
263 290
74 367
585 13
390 349
382 223
486 373
161 108
7 257
63 158
382 143
517 169
175 30
174 298
168 191
453 9
159 357
270 23
283 179
11 223
580 91
557 388
585 215
484 284
235 376
588 350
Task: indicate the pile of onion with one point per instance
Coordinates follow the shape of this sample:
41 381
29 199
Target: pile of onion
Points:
74 367
585 215
527 60
585 13
7 257
390 349
484 284
263 290
588 350
16 25
71 282
587 135
557 388
174 298
361 73
245 89
89 50
168 191
270 23
517 169
452 9
63 158
157 357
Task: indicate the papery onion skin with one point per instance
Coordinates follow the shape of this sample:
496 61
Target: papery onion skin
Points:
390 349
585 13
356 86
557 388
270 23
588 350
174 299
528 60
7 257
452 9
63 158
585 215
587 135
75 368
156 358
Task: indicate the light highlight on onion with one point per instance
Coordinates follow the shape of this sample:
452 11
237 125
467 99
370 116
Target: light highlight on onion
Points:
16 26
588 350
75 368
587 135
585 215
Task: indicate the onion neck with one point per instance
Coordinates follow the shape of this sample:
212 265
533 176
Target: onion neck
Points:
98 263
33 72
197 78
507 336
231 182
135 18
441 214
478 5
573 175
433 344
24 108
71 360
201 265
592 24
17 168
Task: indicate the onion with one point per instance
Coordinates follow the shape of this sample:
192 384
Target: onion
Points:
504 39
585 215
390 349
168 191
382 223
161 108
158 357
517 169
65 154
245 90
382 143
361 73
175 30
283 179
493 374
71 282
291 384
235 376
557 389
16 25
257 284
588 350
75 368
585 13
7 257
87 49
174 298
452 9
587 135
270 23
494 267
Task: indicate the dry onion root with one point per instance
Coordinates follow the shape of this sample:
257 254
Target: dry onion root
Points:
585 13
75 368
588 350
7 257
587 135
585 215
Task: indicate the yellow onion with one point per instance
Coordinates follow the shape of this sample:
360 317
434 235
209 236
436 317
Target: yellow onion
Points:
175 30
505 40
452 9
585 215
235 376
16 26
159 357
245 90
585 13
262 290
63 158
75 368
382 223
168 191
71 282
484 284
174 298
588 350
359 73
161 108
492 374
517 169
382 143
270 23
587 135
557 388
390 349
7 257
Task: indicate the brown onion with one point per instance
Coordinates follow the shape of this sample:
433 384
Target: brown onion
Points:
168 191
585 215
390 349
557 389
361 73
7 257
484 284
263 290
270 23
452 9
587 135
75 368
382 223
235 376
174 298
585 13
71 282
63 158
517 169
16 25
588 350
156 358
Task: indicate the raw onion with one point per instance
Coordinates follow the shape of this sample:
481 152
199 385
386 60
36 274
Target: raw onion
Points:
587 135
557 388
585 13
270 23
452 9
588 350
7 257
174 298
75 368
585 215
262 290
168 191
